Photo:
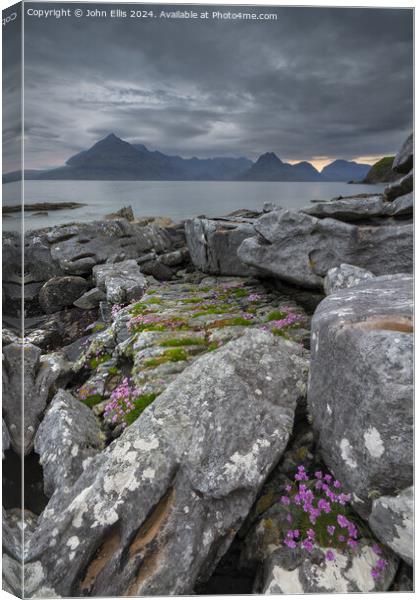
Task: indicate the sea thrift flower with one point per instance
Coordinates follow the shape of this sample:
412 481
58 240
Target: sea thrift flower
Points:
329 555
377 549
331 529
342 521
254 297
308 545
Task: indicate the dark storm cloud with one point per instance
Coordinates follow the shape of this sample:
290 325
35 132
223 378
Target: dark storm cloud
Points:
315 82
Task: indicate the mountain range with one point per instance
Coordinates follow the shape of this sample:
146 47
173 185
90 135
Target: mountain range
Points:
111 158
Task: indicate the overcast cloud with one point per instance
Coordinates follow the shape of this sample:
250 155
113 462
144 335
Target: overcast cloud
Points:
316 82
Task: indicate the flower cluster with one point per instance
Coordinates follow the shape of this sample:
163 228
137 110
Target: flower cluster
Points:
151 321
290 319
122 402
254 297
318 512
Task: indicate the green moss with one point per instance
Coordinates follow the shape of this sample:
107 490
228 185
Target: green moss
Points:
152 300
174 342
98 327
235 321
171 355
212 346
240 293
276 315
140 404
280 333
215 310
113 371
191 300
92 400
98 360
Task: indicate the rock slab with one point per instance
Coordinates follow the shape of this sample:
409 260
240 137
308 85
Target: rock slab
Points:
300 249
68 437
155 511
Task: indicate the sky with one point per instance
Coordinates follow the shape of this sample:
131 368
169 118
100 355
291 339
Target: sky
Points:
315 84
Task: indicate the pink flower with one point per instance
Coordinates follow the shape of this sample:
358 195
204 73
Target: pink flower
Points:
377 550
308 545
329 555
285 500
290 542
331 529
342 521
319 474
351 543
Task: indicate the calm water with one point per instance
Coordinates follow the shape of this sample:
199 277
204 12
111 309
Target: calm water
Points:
176 199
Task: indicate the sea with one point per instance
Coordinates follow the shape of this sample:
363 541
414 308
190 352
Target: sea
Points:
178 200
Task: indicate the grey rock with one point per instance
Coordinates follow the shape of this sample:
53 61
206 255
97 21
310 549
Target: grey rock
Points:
122 281
399 188
401 206
157 269
78 248
344 276
310 573
300 249
60 292
68 437
361 385
403 162
392 521
40 375
175 258
5 437
351 208
39 265
90 299
213 245
126 212
17 526
155 511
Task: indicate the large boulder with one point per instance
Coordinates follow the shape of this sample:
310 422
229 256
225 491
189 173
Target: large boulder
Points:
392 520
213 244
68 437
344 276
155 511
40 373
60 292
403 162
122 282
399 188
300 249
361 386
76 248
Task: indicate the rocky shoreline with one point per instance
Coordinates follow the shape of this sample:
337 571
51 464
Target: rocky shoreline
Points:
211 406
